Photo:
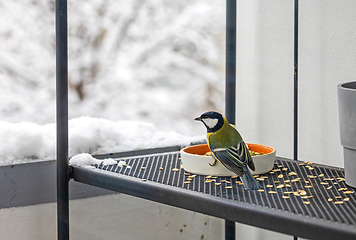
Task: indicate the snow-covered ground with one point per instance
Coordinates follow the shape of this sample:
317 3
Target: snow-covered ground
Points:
156 63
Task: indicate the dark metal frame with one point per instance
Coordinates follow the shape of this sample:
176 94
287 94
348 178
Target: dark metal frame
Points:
230 84
64 172
62 120
295 139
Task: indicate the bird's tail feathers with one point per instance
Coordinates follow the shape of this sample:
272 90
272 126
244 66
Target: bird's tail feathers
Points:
248 180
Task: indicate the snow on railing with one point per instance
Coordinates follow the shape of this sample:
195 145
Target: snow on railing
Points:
25 142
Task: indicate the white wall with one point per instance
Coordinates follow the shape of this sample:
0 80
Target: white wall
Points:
119 217
327 46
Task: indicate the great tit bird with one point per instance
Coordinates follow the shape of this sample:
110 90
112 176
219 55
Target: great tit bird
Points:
228 147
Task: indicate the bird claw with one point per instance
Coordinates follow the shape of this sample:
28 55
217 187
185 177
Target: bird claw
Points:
212 165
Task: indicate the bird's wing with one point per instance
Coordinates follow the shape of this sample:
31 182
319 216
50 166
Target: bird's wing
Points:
229 158
247 156
234 158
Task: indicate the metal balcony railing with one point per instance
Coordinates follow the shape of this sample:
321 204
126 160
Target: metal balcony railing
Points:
301 207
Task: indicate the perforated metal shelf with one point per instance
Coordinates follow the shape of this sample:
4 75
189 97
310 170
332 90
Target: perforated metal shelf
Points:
297 198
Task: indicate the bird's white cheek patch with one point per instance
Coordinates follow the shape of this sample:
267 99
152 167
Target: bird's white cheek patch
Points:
210 122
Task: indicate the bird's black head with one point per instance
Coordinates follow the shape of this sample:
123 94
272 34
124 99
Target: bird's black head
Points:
213 121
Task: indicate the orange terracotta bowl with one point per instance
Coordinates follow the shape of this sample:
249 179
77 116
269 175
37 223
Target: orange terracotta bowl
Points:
195 161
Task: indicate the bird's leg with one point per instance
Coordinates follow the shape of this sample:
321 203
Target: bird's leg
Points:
215 161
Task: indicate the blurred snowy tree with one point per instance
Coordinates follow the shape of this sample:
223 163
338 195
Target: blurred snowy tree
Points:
153 60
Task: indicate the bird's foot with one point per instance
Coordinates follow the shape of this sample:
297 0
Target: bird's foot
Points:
212 165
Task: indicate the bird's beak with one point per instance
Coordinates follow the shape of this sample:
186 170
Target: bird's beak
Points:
197 119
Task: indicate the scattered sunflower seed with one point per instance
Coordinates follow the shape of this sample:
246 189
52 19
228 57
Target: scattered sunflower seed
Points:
143 167
285 197
280 176
339 202
144 180
269 186
302 193
272 192
292 174
187 182
175 169
308 186
346 199
306 202
280 186
330 199
161 168
328 179
284 169
228 187
324 183
349 192
260 190
287 181
329 187
321 175
217 184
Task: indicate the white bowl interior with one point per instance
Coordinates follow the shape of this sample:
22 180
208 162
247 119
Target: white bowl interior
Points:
195 161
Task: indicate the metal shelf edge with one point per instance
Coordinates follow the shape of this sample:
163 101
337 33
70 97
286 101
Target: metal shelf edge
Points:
254 215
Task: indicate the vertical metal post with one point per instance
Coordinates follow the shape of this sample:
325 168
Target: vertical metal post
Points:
62 119
230 230
295 138
230 79
230 64
295 149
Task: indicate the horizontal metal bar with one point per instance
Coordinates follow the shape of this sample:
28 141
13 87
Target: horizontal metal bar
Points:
35 183
139 152
253 215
